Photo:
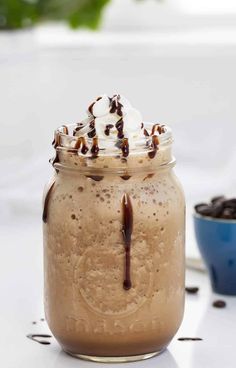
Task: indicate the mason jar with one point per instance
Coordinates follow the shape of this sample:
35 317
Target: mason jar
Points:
114 228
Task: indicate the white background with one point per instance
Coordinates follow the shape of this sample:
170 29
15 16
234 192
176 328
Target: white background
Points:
180 71
176 63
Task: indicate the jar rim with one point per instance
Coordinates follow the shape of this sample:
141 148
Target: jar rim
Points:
64 140
126 171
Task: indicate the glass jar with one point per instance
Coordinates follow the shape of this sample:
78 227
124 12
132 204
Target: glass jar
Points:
114 231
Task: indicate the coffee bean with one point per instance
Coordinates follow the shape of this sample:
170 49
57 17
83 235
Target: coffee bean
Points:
219 304
199 205
203 209
218 199
230 203
217 209
228 213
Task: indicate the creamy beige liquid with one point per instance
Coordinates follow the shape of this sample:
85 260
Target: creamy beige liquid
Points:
87 308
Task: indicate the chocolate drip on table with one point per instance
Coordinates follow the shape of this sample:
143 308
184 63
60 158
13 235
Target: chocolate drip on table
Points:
192 289
36 337
190 339
219 304
46 203
127 230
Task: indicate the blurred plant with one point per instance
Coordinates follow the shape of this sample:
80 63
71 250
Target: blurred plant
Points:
16 14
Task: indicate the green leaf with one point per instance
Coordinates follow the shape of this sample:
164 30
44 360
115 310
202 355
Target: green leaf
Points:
78 13
89 15
17 14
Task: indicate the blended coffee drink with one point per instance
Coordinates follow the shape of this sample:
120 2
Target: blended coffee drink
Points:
114 225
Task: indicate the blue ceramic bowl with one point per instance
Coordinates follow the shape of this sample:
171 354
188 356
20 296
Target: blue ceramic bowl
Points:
216 240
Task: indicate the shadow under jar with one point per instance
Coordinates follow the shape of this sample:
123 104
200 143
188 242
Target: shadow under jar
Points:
113 251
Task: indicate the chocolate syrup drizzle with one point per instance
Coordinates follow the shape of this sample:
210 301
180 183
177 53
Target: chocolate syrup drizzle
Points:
125 147
149 176
46 203
159 128
145 132
120 127
126 177
65 129
155 143
127 229
122 143
76 147
95 177
55 159
115 105
92 132
84 148
36 337
95 148
78 128
108 128
78 144
90 108
56 140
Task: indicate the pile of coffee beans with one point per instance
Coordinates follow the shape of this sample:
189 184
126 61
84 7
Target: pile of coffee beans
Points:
219 207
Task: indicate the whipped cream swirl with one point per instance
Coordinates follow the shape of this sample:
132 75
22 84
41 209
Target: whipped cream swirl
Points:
115 117
113 123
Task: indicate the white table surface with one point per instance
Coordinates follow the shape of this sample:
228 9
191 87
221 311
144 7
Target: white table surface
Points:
21 304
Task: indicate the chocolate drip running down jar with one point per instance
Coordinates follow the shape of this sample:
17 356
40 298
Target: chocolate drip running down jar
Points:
114 225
